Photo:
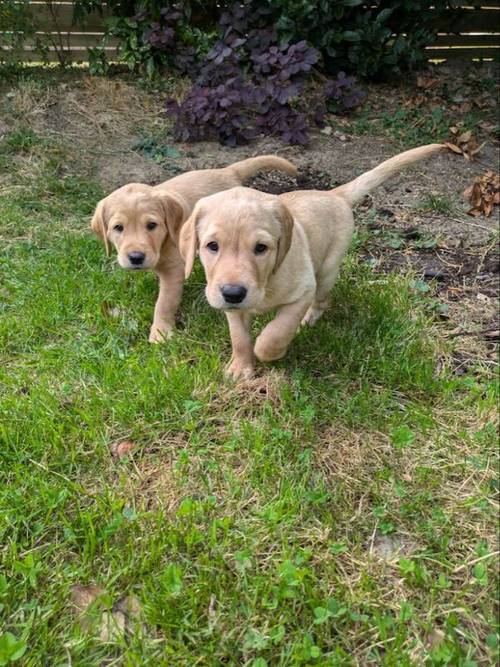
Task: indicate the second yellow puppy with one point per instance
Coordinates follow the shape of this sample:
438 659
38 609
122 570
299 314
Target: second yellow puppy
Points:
143 223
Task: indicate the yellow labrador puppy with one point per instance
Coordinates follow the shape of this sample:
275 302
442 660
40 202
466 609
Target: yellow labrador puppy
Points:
143 223
262 252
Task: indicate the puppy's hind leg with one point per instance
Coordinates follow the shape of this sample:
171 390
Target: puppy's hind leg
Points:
325 281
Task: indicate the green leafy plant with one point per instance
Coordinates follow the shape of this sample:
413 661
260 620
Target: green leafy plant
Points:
374 41
11 648
16 25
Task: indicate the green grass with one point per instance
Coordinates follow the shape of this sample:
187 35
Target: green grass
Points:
411 126
436 204
249 519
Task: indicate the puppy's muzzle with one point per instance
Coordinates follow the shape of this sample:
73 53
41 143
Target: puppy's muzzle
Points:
233 294
136 258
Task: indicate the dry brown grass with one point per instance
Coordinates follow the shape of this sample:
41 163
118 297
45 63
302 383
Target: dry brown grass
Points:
353 459
249 396
153 485
90 106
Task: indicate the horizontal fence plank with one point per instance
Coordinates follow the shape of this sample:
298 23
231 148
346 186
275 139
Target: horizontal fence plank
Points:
467 40
59 16
481 3
468 20
51 56
78 39
453 20
92 39
465 53
82 55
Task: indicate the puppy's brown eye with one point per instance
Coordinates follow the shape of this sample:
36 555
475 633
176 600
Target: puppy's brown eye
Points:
151 225
213 246
118 228
260 248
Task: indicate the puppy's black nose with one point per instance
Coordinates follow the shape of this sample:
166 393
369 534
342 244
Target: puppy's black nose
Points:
233 293
136 258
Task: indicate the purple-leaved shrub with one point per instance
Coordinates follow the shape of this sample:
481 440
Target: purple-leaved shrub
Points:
249 83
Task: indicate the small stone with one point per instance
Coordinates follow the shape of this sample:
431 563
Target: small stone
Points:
120 449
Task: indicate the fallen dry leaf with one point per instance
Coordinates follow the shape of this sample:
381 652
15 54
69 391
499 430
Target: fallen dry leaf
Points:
120 449
112 626
453 147
426 82
485 100
414 101
82 600
486 126
464 143
130 606
465 107
83 596
483 194
464 137
435 638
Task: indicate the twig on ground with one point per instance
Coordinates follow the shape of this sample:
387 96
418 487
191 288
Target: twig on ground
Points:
472 224
454 334
476 560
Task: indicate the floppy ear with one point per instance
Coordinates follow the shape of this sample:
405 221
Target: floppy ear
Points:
188 241
285 240
99 225
175 211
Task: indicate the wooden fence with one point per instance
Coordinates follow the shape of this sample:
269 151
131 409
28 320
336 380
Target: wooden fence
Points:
469 32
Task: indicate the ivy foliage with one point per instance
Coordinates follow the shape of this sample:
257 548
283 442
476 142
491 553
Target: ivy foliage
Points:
376 39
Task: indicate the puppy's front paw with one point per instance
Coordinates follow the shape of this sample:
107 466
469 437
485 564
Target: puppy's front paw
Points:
240 370
160 334
269 349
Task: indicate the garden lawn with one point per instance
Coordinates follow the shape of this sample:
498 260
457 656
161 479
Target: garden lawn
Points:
339 509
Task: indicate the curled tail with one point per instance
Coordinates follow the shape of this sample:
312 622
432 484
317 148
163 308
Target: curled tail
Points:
247 168
354 191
